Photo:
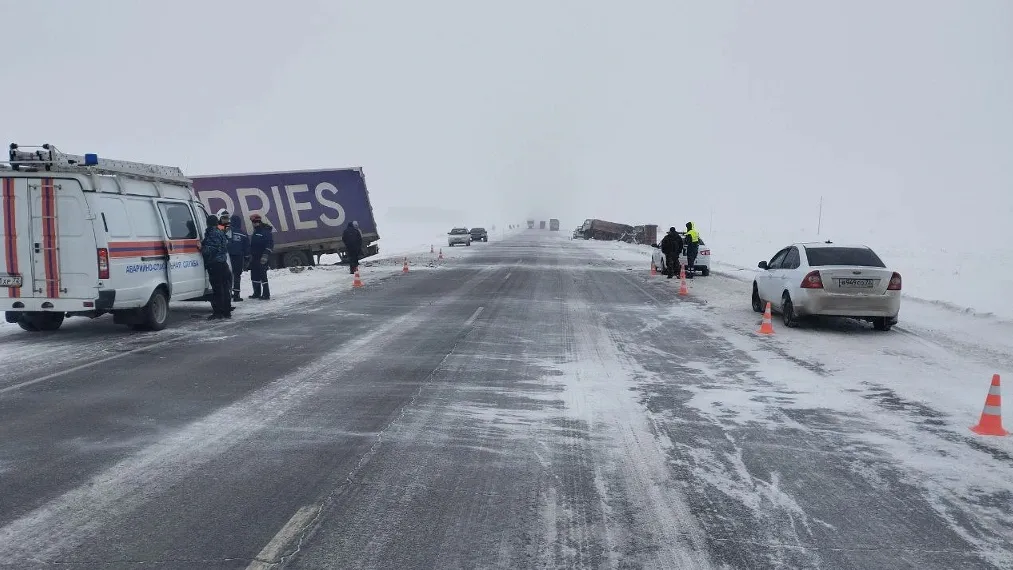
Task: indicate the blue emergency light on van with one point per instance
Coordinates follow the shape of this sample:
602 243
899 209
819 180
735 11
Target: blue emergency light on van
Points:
90 159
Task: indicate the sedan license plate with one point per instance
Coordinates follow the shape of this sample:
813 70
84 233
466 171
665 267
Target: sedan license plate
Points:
10 281
857 283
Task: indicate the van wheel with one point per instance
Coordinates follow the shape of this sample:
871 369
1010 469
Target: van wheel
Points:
154 315
706 271
36 322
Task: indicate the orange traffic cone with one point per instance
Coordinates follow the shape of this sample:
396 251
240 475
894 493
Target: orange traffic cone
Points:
654 268
405 268
357 282
431 250
441 253
683 289
768 325
991 416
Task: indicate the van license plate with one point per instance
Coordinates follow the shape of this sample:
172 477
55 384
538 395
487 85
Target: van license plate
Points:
857 283
10 281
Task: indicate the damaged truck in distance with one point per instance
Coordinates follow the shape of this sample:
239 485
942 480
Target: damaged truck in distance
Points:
309 209
612 231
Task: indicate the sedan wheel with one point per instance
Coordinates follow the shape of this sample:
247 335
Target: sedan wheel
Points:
881 324
788 312
758 305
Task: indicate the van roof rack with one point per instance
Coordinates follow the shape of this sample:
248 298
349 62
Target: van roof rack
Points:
48 158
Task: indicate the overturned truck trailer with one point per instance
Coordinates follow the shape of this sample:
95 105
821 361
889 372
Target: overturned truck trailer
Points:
612 231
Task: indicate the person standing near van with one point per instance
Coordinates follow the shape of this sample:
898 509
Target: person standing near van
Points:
239 253
215 250
261 245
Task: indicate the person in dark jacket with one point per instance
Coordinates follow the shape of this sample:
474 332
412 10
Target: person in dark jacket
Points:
261 246
215 250
352 239
671 246
239 253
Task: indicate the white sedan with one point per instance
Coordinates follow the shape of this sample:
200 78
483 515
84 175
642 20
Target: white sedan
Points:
816 279
703 259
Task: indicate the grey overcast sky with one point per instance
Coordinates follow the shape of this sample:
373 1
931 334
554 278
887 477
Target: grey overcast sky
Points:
898 112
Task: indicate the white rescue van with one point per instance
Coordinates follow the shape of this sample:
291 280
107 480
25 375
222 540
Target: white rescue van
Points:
83 236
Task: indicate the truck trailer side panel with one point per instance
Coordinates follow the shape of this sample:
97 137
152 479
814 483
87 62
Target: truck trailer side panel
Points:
308 209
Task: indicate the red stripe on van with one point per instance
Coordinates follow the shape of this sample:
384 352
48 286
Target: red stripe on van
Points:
10 234
178 246
127 249
50 256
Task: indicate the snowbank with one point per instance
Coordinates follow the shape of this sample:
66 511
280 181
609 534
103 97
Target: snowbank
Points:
404 241
971 278
972 281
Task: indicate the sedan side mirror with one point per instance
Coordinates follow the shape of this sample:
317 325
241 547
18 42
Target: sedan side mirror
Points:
762 265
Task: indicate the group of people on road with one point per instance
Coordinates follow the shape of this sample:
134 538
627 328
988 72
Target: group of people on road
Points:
672 245
228 251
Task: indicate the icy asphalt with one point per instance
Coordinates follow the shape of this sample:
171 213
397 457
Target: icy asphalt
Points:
527 406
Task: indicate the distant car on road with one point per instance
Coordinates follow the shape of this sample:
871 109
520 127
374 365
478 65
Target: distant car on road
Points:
825 279
458 236
479 234
703 259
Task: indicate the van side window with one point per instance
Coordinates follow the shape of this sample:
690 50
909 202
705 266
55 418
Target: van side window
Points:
115 217
143 218
179 221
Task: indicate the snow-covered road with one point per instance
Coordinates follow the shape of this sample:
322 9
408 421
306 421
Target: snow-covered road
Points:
536 402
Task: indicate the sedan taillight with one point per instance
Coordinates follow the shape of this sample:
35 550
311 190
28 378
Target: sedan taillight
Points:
812 281
895 282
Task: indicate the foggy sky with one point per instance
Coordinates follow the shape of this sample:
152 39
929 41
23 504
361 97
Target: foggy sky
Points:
898 113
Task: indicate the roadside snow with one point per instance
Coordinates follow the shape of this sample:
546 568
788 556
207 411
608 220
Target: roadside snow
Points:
407 241
911 393
974 278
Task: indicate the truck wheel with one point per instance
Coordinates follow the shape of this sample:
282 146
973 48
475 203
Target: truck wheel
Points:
295 259
154 315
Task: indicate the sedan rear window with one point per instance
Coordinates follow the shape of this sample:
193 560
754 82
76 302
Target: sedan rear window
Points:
477 230
859 256
458 231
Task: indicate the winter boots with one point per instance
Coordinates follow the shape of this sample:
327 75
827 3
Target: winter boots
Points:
261 291
236 297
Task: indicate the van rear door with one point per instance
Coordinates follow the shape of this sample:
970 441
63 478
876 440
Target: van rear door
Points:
16 268
64 256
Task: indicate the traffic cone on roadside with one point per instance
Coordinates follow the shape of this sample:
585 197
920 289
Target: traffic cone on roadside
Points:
441 253
683 289
357 282
654 268
431 250
991 416
405 268
768 322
